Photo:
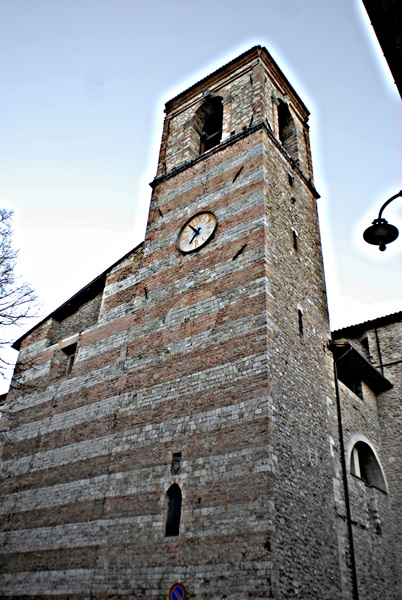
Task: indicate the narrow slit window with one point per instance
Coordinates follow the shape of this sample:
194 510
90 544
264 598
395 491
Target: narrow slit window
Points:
300 316
295 236
173 500
70 353
365 344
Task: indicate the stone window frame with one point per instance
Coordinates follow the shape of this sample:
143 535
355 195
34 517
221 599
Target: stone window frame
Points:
64 357
71 352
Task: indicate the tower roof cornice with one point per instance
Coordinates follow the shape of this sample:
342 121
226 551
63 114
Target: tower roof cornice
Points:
247 59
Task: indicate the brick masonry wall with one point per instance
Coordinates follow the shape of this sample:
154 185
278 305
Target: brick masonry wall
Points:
305 526
89 456
80 320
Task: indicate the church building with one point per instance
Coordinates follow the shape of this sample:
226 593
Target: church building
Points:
185 426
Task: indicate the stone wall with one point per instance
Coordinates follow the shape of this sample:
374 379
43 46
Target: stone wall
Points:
375 420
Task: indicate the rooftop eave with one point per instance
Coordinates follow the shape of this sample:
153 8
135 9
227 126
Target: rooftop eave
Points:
345 350
256 52
85 294
360 328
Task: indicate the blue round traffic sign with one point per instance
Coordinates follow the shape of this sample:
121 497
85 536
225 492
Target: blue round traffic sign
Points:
177 592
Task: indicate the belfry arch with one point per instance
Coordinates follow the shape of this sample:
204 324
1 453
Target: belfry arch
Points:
207 123
287 131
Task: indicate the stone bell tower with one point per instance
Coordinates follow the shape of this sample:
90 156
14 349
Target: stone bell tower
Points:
174 429
245 334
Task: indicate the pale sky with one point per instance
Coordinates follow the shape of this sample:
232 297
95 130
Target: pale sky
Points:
82 89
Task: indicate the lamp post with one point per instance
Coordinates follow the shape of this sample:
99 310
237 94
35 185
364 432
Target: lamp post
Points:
381 233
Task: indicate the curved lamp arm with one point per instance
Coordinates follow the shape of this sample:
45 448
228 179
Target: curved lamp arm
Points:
381 232
388 202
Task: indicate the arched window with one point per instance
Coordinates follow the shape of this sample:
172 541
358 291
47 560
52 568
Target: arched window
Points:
364 464
173 501
287 130
208 123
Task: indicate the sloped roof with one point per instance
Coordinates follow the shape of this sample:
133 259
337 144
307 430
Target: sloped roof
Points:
85 294
345 350
255 50
386 19
360 328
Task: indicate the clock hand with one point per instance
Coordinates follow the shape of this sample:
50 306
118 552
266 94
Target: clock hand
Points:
196 232
193 228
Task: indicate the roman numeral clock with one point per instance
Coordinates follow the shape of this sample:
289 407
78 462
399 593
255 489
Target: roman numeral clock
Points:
197 232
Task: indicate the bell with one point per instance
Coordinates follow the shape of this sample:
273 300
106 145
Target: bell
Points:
380 233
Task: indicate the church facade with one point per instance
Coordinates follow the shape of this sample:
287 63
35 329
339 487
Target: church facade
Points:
179 421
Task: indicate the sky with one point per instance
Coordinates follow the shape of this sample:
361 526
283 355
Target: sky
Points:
83 85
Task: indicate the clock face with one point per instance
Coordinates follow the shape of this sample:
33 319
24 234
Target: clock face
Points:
198 230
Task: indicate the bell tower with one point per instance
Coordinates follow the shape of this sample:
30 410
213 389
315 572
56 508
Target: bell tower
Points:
170 435
233 234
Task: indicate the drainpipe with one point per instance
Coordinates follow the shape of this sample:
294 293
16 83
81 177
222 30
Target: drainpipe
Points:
345 479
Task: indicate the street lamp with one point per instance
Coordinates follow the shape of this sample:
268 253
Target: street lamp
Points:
381 232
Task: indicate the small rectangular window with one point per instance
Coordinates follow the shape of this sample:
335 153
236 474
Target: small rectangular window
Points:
69 352
351 379
176 463
365 344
